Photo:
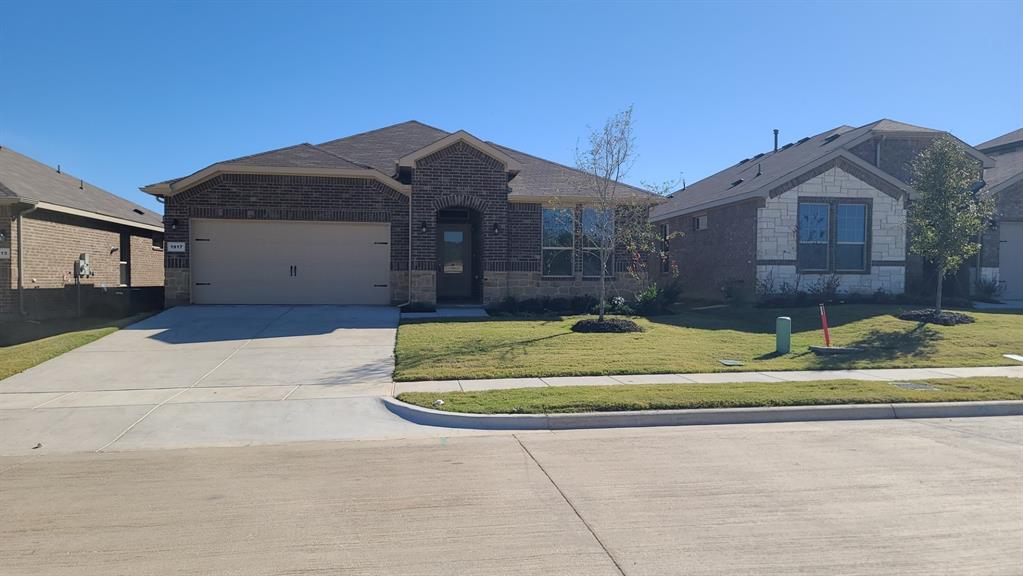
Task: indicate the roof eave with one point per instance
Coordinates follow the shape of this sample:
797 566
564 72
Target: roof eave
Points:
176 186
511 165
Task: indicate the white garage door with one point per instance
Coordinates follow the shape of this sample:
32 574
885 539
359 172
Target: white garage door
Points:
1010 259
278 262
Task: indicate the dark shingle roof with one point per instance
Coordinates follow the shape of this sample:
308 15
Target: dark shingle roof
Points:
23 177
298 156
541 178
748 177
382 148
1014 137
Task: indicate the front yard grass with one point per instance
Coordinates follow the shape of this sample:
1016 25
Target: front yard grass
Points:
695 341
26 344
678 396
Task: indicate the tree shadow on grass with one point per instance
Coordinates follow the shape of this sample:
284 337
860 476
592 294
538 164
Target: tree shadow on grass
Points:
470 348
882 345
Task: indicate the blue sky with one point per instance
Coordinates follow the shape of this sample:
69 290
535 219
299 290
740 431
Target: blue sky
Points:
126 94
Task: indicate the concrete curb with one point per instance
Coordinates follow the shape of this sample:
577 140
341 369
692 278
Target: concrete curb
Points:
708 416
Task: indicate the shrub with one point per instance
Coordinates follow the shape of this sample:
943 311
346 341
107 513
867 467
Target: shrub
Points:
932 316
608 325
582 304
988 290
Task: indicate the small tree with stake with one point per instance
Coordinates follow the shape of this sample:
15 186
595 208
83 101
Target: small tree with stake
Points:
949 211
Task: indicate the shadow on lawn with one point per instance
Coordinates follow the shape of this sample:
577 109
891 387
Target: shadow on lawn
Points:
762 320
878 345
472 347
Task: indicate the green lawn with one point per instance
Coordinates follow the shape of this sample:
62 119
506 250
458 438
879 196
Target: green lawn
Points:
677 396
25 344
694 341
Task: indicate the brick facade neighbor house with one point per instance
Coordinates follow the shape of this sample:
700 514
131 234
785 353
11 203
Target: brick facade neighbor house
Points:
827 208
406 213
1001 257
49 221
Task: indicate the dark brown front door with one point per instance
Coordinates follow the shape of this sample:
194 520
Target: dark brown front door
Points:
454 257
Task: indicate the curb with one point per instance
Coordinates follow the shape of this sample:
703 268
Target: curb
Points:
702 416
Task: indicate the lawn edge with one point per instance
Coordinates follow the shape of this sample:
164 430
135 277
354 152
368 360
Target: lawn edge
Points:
702 416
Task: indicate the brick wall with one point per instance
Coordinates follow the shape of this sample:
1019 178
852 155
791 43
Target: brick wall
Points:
53 242
7 302
896 154
718 261
146 258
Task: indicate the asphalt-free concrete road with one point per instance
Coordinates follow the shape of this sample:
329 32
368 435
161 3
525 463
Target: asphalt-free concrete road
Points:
872 497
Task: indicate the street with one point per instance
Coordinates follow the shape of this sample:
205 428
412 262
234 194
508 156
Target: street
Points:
857 497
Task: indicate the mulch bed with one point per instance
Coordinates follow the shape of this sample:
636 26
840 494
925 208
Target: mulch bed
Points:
945 318
608 325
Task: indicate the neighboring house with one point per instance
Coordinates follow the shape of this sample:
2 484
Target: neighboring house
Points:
48 221
1001 257
830 207
345 221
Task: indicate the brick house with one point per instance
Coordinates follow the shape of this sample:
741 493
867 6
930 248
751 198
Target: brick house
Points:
50 220
826 207
405 213
1001 256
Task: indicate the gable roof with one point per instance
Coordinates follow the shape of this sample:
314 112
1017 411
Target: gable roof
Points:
379 153
759 175
1010 139
27 180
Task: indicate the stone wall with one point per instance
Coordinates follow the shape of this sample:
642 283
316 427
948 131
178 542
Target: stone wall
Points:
776 239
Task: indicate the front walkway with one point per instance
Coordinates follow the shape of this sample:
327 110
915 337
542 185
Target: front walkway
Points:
884 375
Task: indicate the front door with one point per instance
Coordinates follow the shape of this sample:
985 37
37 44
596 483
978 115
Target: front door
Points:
454 257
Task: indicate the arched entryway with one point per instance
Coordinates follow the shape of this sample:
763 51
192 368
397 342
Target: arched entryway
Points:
459 261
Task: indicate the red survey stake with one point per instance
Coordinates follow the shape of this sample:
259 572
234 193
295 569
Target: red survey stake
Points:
824 324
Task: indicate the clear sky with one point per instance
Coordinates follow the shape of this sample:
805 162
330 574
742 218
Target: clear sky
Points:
126 94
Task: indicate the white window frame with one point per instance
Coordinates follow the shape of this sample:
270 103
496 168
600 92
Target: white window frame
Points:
701 222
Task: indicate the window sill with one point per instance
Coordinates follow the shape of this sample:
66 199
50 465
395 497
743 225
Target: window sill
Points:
545 277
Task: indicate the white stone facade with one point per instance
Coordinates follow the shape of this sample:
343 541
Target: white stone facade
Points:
777 223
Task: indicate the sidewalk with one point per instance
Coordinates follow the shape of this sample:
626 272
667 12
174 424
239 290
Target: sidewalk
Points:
708 378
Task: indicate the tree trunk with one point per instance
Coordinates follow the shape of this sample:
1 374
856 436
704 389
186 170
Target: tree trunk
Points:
941 281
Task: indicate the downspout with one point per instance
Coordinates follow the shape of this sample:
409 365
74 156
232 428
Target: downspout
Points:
21 258
409 300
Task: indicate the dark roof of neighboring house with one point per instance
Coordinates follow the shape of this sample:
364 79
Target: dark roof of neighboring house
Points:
1007 152
758 174
1014 137
379 151
26 179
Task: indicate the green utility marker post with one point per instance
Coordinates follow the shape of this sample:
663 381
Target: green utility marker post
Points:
783 335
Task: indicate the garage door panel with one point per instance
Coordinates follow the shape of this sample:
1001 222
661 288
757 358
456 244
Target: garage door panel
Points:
275 262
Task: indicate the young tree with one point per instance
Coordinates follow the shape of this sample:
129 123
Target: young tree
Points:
607 159
949 210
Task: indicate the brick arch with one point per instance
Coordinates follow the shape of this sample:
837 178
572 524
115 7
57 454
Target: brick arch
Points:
460 200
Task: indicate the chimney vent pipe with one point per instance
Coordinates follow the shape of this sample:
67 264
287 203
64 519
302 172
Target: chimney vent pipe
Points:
775 139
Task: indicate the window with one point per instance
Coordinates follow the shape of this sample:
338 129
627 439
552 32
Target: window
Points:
557 241
833 236
665 250
851 237
700 222
597 233
124 255
814 223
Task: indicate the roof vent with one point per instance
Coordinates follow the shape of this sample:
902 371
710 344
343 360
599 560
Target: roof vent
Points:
831 138
737 182
801 140
787 146
137 211
743 161
81 184
58 168
758 155
759 172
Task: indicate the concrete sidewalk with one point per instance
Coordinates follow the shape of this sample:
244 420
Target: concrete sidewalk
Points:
877 375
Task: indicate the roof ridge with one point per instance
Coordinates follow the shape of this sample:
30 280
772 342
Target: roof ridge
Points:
380 130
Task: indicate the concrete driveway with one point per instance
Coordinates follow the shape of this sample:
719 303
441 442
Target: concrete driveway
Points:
212 375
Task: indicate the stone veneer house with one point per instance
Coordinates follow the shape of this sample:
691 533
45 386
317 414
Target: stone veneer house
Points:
406 213
830 206
48 221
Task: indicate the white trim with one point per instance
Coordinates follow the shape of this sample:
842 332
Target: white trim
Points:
97 216
510 164
171 188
